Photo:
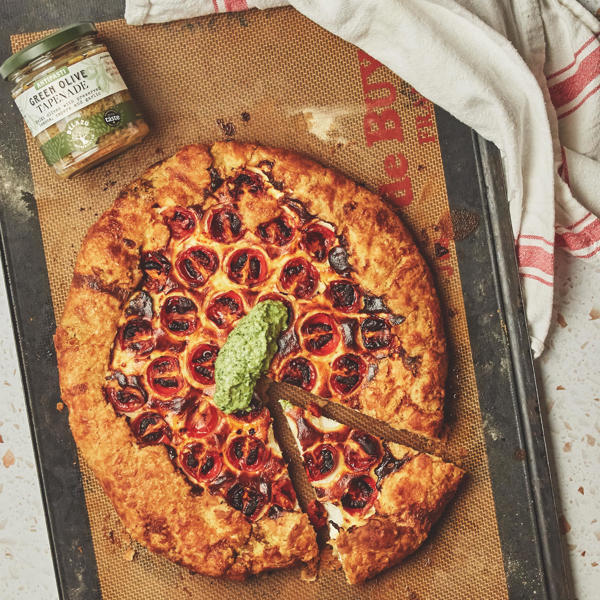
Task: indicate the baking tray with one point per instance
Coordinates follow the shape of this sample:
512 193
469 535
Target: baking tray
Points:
516 451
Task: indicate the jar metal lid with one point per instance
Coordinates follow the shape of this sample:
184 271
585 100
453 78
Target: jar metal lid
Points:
46 44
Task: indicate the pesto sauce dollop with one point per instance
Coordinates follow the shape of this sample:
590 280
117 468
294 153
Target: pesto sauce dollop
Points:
247 354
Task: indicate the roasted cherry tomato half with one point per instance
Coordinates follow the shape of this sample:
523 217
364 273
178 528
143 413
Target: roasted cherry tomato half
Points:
202 363
348 371
249 500
126 398
320 334
245 181
321 461
196 265
277 231
362 451
181 221
299 372
247 453
283 494
360 495
299 277
225 309
343 295
317 240
375 333
151 429
164 376
199 462
247 267
179 315
137 336
225 225
156 269
201 419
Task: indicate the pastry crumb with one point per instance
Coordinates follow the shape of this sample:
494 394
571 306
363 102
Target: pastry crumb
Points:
129 554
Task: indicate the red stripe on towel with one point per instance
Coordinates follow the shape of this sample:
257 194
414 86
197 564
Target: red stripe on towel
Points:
566 91
236 5
537 258
588 236
572 110
535 237
574 59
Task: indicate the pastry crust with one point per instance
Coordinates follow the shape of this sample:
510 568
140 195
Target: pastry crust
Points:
154 502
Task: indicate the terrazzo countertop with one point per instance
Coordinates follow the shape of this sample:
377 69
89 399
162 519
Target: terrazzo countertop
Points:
570 385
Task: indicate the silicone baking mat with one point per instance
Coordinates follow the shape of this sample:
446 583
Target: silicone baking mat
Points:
276 78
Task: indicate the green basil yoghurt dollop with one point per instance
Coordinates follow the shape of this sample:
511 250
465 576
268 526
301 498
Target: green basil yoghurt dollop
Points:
247 354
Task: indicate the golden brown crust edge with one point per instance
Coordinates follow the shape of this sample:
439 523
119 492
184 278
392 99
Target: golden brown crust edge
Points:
156 505
409 503
407 393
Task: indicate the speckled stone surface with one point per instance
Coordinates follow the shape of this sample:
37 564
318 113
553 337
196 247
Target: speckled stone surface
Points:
568 376
26 570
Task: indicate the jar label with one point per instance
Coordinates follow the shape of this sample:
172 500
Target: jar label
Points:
67 90
82 133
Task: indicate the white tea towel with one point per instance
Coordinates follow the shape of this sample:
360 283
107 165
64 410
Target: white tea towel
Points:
525 74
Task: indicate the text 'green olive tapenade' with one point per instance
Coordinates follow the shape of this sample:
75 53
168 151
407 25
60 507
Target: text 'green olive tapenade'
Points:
73 99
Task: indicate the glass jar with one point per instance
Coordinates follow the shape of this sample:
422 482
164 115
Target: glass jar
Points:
73 99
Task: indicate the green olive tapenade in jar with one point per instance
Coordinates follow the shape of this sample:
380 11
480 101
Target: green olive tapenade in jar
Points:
73 99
